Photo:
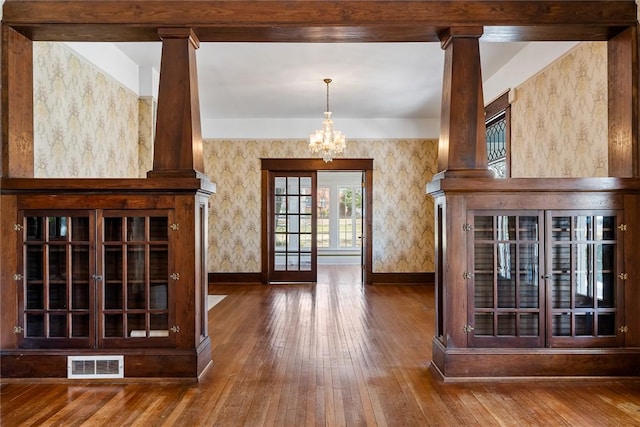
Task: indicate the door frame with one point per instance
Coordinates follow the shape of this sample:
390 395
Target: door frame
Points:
269 166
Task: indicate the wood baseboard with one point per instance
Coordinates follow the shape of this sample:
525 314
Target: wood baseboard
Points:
403 278
246 278
377 278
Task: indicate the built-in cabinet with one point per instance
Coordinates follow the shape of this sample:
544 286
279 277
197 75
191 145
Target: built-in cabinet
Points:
535 277
545 278
96 278
105 268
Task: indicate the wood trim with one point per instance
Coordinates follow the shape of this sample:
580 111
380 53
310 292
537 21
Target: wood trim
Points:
403 278
318 20
541 185
622 63
244 278
17 105
491 112
11 247
177 149
265 241
104 185
377 278
315 164
139 363
481 363
462 149
497 106
368 227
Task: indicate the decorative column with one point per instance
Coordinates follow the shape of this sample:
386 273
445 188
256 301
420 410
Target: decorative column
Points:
17 105
462 150
462 159
623 85
178 144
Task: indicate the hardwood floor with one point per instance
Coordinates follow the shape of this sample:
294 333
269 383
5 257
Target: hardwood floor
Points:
332 354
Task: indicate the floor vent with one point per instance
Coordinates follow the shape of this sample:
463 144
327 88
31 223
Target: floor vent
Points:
87 367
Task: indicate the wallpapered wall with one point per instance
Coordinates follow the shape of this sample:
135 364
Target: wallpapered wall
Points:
146 120
85 123
559 118
403 239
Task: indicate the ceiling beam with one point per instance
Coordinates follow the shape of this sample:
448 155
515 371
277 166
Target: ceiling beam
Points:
317 20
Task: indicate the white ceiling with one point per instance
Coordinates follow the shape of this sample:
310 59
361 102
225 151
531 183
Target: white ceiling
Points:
285 80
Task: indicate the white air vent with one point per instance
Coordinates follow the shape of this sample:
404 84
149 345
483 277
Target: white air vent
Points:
86 367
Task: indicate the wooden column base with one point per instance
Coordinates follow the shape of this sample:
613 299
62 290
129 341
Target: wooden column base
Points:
138 363
502 363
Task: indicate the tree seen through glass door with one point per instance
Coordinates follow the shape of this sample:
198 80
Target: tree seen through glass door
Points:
350 216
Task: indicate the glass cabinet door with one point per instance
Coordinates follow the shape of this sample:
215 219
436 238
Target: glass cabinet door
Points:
544 279
58 286
503 278
584 284
136 287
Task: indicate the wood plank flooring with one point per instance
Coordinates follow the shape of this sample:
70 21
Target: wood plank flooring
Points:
331 354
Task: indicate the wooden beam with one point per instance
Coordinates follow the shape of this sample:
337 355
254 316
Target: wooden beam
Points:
317 20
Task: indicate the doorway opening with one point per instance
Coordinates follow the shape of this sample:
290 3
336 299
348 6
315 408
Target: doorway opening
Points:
339 227
340 218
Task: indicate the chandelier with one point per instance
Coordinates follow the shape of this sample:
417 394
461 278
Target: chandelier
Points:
326 141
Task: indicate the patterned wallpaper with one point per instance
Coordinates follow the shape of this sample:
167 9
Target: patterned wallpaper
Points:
85 124
559 118
146 120
403 239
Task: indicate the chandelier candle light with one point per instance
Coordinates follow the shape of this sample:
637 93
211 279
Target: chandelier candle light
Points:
326 141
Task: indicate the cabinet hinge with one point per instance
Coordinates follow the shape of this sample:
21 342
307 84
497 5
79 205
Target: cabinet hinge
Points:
622 227
467 227
17 227
623 329
17 329
175 227
467 329
17 276
466 275
622 276
175 276
175 329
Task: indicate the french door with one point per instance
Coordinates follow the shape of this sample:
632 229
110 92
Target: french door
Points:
289 217
292 240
